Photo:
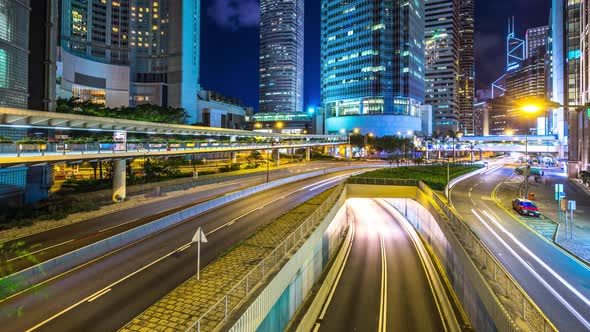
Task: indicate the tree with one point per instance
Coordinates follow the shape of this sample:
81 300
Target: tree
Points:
454 135
437 136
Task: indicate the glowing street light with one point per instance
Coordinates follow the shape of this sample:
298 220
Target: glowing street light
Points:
529 109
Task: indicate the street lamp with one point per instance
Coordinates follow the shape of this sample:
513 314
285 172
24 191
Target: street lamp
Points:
529 109
354 131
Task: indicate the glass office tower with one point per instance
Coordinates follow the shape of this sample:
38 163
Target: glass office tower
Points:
372 66
281 55
442 62
14 45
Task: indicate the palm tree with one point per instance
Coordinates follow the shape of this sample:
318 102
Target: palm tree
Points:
454 135
437 136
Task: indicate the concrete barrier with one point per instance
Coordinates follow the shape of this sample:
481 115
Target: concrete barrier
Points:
55 266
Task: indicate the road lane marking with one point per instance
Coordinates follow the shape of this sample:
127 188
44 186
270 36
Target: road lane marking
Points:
422 254
99 294
338 276
183 248
40 250
120 280
119 225
533 272
540 261
383 301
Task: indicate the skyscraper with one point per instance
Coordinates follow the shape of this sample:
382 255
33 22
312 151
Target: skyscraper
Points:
130 52
281 56
14 21
565 76
467 67
372 66
442 62
14 45
536 41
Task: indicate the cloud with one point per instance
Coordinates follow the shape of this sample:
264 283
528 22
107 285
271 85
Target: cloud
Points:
235 14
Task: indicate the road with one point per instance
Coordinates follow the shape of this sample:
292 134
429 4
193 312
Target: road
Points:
383 285
46 245
554 280
105 294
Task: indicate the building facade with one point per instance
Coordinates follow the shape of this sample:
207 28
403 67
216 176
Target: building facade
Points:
372 66
216 110
536 41
467 67
528 79
581 152
442 62
281 55
130 52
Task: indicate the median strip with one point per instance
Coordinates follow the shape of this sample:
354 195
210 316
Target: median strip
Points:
190 301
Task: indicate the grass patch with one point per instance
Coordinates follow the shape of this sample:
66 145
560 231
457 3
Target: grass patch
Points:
435 176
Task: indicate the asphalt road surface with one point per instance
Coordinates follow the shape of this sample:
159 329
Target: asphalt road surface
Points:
105 294
383 286
46 245
556 282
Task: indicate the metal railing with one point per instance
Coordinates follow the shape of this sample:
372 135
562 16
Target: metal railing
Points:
31 150
383 181
232 299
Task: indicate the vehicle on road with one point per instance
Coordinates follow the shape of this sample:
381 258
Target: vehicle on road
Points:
532 171
525 207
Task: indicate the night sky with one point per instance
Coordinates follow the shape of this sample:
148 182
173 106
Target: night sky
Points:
229 43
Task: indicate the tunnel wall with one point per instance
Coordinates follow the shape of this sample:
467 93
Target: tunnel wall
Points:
277 304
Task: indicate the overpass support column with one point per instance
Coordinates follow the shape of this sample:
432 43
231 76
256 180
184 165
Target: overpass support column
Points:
234 157
335 151
119 180
307 154
277 157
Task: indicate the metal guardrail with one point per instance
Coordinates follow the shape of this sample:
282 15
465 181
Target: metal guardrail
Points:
382 181
515 298
221 310
29 150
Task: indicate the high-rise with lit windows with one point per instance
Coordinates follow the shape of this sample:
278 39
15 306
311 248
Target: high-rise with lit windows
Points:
442 62
467 67
372 66
131 52
281 56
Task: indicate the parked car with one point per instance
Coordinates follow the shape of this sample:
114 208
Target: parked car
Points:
525 207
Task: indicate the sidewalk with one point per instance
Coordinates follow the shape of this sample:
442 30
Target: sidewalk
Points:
545 200
175 188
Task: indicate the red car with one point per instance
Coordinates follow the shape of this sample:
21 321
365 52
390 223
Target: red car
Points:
525 207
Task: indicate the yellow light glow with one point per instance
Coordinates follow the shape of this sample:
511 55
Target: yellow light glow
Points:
280 125
509 132
356 130
531 108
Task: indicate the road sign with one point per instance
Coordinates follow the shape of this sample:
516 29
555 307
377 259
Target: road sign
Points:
572 205
199 238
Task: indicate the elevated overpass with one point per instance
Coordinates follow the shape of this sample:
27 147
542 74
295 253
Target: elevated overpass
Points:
196 140
516 143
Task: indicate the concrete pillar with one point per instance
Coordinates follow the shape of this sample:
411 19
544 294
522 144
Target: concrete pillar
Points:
234 157
335 151
307 154
277 157
119 180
